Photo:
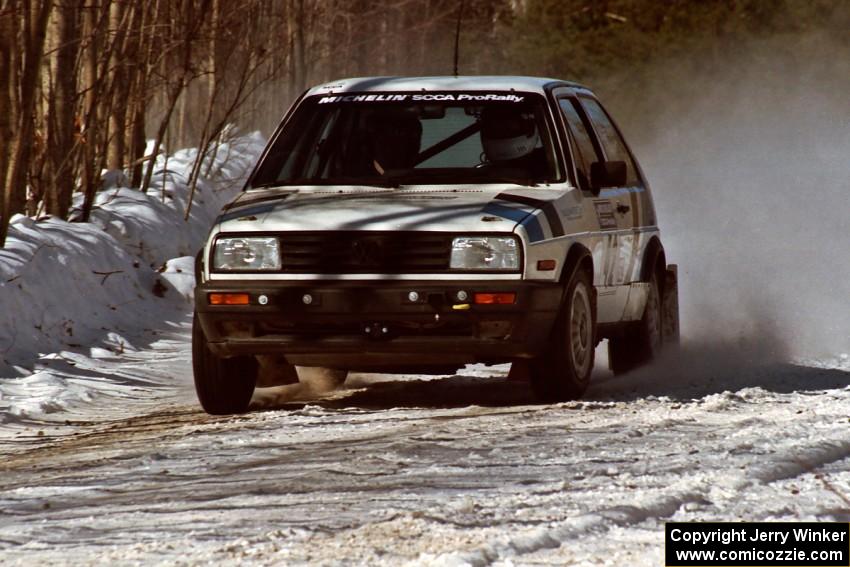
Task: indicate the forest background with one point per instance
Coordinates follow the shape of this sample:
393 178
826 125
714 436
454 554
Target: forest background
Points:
86 84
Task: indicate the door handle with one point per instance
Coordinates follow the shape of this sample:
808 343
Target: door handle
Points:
623 209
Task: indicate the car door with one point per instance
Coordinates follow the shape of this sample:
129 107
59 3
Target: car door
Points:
600 209
627 201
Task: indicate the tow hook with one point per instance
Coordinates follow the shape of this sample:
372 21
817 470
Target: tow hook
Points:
377 331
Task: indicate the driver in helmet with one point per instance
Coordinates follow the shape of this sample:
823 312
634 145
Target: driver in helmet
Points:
386 140
510 141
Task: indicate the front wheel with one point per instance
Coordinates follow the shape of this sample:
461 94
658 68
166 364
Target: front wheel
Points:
224 385
563 371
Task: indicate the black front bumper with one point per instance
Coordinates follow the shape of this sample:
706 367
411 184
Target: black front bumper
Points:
374 323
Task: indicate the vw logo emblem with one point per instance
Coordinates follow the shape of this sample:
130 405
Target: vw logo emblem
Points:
367 251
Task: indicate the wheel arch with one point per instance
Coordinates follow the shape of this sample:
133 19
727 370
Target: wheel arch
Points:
654 260
199 266
578 256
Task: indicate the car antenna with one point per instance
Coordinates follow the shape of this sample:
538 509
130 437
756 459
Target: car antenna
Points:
457 33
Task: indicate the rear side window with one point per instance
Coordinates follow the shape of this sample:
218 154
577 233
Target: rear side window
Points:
586 152
609 137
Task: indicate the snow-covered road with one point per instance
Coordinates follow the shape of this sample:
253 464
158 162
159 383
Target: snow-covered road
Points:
428 471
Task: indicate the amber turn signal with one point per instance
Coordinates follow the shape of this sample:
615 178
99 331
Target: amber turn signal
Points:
546 265
229 299
495 298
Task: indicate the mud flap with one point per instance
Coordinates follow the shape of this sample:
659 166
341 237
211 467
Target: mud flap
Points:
670 306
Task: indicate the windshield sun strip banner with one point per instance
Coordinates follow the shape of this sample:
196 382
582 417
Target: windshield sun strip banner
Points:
422 97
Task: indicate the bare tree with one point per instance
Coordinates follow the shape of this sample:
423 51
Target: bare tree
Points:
93 18
189 19
32 34
8 41
228 91
120 27
62 103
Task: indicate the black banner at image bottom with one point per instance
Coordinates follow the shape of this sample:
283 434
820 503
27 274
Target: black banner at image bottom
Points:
762 544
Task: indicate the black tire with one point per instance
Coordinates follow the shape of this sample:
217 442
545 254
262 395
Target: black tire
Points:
224 385
562 372
641 342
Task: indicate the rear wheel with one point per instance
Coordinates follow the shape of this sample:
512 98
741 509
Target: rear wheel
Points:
641 342
224 385
563 372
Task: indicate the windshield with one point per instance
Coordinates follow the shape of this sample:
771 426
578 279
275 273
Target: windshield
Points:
396 138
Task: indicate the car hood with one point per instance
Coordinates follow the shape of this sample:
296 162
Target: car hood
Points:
492 208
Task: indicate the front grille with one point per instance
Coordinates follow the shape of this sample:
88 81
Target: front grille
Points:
361 252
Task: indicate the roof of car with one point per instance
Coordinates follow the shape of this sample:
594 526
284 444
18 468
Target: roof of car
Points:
462 83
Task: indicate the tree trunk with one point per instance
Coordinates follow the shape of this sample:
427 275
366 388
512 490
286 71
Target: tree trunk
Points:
139 94
138 140
300 78
173 97
14 198
118 76
89 178
8 33
64 101
190 22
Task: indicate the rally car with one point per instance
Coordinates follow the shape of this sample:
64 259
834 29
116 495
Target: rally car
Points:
421 224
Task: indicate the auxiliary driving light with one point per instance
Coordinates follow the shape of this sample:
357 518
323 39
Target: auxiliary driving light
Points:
229 299
495 298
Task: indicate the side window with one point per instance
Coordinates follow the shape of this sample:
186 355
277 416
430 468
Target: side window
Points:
586 152
611 140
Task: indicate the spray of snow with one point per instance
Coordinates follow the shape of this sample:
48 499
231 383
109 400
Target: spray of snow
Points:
748 162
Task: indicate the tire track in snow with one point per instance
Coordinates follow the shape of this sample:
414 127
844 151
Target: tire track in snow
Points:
787 465
387 475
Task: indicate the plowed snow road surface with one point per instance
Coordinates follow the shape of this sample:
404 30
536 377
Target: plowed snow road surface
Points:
444 471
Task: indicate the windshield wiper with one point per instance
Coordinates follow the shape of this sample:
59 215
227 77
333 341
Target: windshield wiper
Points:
269 185
524 182
389 183
424 177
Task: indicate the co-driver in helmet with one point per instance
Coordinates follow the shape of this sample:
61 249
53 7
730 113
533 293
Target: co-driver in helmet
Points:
511 142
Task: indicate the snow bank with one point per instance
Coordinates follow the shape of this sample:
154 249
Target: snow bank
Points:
68 286
151 226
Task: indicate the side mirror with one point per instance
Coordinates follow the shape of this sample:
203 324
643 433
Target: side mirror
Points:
607 174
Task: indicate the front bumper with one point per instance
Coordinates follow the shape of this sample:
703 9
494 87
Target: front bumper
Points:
374 323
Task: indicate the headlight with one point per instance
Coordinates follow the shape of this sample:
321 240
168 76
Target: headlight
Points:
485 253
246 253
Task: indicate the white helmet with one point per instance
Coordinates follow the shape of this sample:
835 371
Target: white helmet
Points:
507 133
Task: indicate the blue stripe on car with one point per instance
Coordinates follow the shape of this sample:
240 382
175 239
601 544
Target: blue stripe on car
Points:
525 218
